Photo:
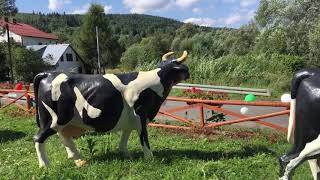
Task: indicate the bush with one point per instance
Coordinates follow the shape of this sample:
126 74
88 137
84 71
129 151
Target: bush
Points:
27 64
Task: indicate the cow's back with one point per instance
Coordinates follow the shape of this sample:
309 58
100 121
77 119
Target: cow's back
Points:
98 92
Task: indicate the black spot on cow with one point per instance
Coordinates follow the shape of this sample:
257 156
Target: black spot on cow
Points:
126 78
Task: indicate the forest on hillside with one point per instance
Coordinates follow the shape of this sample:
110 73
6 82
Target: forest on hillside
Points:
283 37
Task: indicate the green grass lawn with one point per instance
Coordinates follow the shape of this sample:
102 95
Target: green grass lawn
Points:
219 154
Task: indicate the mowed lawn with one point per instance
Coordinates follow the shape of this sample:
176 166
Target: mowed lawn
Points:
219 154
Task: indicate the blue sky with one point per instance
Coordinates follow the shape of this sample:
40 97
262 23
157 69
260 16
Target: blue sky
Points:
215 13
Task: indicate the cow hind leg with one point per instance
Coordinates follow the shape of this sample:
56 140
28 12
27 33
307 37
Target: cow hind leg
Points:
71 149
315 169
40 146
311 150
123 145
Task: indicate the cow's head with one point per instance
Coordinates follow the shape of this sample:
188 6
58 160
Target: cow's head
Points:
173 70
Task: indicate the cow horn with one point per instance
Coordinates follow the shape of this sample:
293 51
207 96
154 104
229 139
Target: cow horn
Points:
183 57
165 56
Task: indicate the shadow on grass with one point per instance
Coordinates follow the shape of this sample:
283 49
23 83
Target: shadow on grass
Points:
170 154
8 135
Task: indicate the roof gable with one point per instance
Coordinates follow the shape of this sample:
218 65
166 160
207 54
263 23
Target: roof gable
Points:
27 30
50 53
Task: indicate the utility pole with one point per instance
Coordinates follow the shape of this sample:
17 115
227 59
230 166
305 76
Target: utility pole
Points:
9 53
98 51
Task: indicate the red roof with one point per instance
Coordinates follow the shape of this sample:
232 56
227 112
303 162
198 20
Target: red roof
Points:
27 30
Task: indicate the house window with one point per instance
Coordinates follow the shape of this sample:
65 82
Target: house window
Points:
77 58
69 57
61 58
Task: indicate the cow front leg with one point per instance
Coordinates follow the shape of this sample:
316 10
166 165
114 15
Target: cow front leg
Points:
145 143
123 145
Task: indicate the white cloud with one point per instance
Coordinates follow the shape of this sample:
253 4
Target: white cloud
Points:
57 4
142 6
246 3
186 3
84 9
201 21
237 17
196 10
107 9
81 10
233 19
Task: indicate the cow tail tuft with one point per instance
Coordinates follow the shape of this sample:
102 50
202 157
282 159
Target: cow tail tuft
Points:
36 82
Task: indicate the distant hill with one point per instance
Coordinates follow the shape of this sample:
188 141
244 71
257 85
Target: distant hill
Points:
131 24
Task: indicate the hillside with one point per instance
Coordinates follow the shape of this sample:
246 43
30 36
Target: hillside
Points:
65 25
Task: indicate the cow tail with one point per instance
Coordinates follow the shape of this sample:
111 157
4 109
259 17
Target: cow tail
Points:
295 83
36 82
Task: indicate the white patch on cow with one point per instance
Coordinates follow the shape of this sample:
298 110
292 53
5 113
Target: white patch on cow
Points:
290 135
71 149
144 80
82 103
54 117
311 149
42 157
56 83
116 82
313 163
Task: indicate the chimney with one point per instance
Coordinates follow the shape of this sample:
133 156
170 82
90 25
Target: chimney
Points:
14 21
6 19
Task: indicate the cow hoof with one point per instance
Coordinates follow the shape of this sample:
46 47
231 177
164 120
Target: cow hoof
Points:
80 163
284 178
127 155
43 166
148 156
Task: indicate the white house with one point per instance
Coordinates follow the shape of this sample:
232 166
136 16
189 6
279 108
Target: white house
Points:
25 34
62 56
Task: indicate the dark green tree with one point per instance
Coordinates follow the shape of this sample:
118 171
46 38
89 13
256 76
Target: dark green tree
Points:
8 7
27 64
4 69
85 39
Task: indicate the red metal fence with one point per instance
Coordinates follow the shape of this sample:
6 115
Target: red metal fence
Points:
215 105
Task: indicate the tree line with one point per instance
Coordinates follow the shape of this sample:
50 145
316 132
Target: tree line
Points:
282 31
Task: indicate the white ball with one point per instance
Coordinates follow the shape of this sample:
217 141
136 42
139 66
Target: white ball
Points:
286 98
244 110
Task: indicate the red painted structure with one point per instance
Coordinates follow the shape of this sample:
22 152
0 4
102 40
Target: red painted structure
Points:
200 104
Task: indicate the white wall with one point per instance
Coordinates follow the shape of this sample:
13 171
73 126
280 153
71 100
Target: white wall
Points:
37 41
27 40
69 65
15 37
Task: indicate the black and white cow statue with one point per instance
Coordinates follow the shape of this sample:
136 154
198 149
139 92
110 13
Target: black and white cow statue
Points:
69 104
304 124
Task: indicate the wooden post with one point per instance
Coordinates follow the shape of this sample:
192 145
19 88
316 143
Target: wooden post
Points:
201 116
28 100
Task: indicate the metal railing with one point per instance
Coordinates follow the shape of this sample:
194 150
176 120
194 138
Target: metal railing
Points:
225 89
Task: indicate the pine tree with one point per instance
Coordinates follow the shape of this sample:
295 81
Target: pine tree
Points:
85 39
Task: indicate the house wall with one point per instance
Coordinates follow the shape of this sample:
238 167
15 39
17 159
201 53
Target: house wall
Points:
27 40
15 37
37 41
71 66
